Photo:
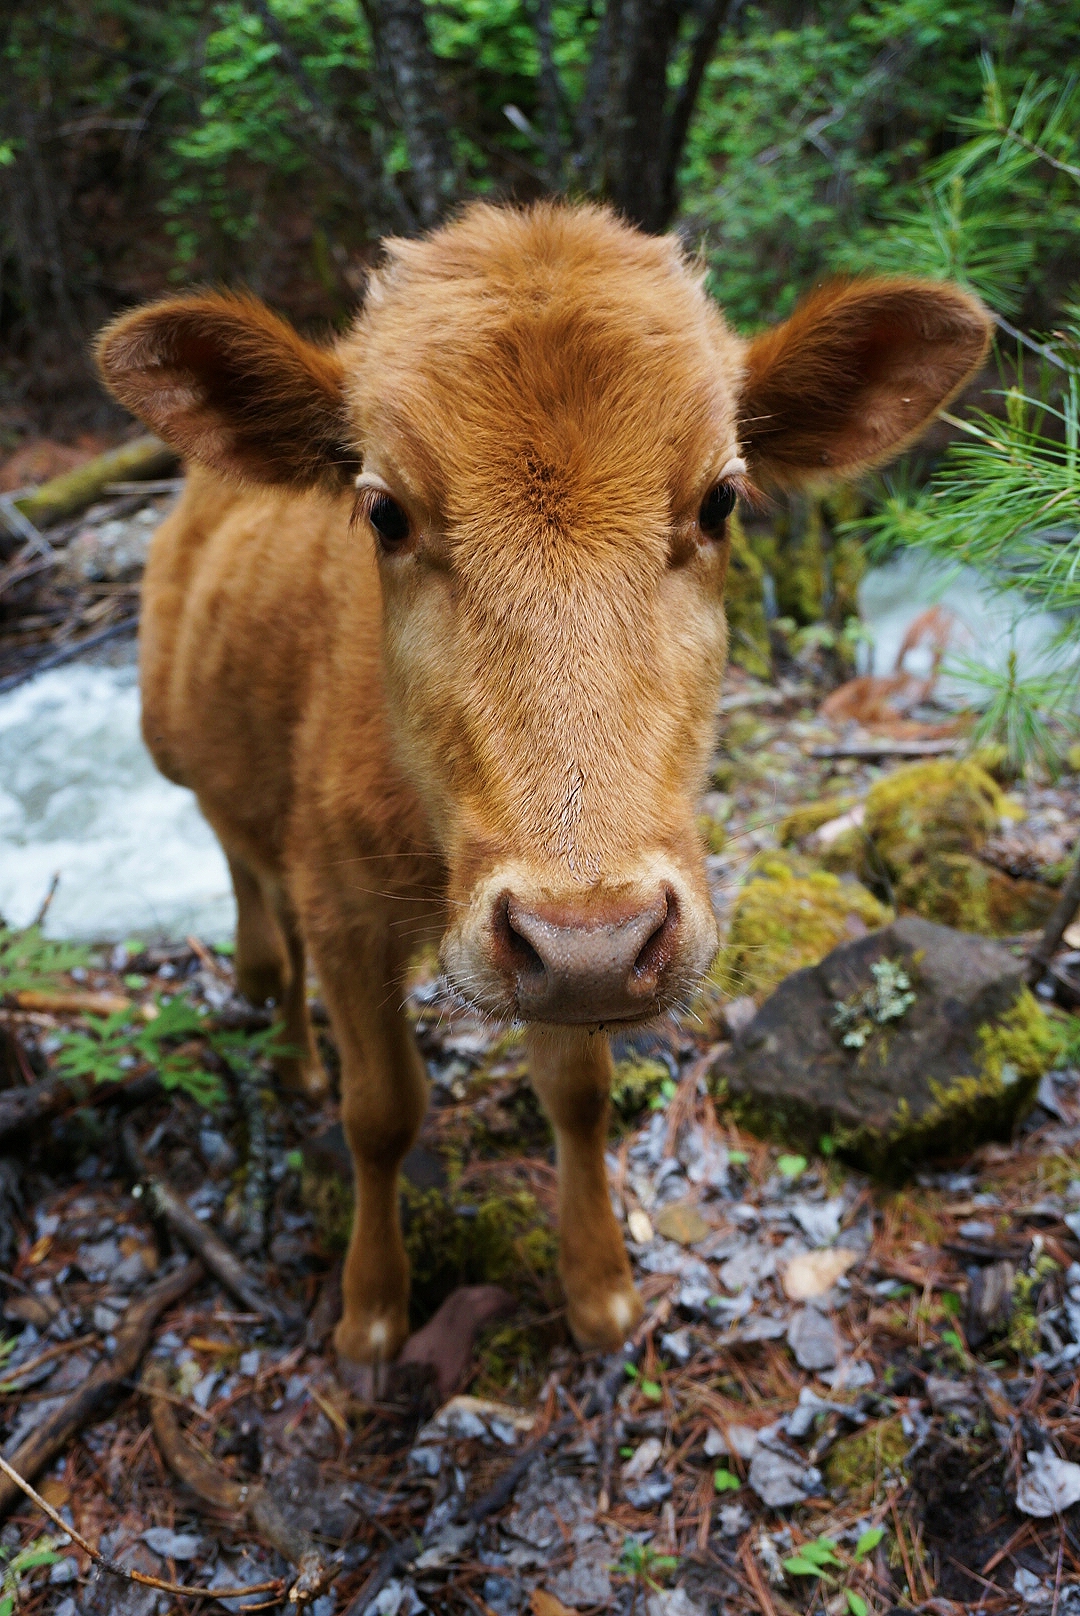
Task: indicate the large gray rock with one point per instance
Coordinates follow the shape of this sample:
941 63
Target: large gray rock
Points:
958 1065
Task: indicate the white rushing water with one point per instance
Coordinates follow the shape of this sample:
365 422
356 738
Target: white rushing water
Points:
80 797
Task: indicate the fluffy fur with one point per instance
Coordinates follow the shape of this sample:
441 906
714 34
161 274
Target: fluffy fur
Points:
520 698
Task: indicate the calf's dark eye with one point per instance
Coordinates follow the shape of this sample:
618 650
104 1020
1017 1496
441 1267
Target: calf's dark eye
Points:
389 521
716 507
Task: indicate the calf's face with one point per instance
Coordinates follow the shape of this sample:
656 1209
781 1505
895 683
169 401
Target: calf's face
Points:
547 425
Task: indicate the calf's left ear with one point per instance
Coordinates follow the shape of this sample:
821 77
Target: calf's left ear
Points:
227 383
856 373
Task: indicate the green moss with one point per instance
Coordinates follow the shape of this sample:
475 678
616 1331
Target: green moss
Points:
942 807
637 1082
810 816
712 833
503 1239
1023 1043
860 1463
744 601
329 1199
789 914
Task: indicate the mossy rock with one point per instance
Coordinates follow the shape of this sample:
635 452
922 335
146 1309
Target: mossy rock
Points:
744 601
959 1066
861 1463
808 817
816 573
789 914
919 844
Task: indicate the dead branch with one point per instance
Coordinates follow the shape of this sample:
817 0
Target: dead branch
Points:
103 1562
206 1245
24 1108
146 457
870 749
99 1391
254 1501
1055 928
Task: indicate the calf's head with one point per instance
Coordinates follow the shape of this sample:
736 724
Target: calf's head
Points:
547 424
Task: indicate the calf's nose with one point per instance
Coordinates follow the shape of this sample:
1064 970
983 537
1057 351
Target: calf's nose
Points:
572 965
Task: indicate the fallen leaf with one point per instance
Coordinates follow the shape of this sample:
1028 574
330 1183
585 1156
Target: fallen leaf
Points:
683 1223
1048 1486
638 1467
542 1603
815 1272
55 1492
1071 935
641 1230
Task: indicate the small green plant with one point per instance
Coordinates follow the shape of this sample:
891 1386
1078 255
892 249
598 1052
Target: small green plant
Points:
41 1552
648 1388
112 1047
824 1559
640 1563
29 961
725 1482
888 998
791 1167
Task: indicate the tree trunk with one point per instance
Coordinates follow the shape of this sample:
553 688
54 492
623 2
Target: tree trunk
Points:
399 31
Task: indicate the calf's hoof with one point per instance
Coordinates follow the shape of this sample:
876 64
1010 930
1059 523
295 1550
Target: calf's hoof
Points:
603 1321
368 1342
307 1077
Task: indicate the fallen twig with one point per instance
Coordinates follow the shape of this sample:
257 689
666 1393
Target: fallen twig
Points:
253 1500
104 1563
870 749
69 652
98 1392
145 457
212 1251
1055 928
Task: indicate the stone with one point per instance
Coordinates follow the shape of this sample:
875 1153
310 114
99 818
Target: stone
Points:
681 1221
815 1272
1048 1485
780 1479
813 1339
586 1581
960 1066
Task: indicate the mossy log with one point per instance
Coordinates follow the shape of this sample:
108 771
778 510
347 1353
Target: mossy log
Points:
138 461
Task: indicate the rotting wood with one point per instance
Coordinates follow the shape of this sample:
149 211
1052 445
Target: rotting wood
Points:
143 459
250 1500
97 1394
204 1243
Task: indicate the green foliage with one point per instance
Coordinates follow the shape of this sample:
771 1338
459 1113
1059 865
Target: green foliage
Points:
826 1561
30 961
641 1563
725 1482
114 1045
41 1552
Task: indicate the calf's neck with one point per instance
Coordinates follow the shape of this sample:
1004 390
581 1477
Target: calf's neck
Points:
436 632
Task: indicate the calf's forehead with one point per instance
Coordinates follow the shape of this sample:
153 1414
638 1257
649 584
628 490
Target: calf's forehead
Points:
584 370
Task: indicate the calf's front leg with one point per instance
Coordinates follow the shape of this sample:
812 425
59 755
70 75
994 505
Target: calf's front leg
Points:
571 1072
384 1092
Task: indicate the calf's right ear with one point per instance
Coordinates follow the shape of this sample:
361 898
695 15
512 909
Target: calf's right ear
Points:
227 383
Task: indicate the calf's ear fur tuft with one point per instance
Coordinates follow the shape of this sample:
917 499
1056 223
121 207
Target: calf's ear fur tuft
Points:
856 373
227 383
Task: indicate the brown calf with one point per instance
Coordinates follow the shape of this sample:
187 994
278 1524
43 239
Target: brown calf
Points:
436 634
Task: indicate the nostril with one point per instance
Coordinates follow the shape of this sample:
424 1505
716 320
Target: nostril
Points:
658 950
514 953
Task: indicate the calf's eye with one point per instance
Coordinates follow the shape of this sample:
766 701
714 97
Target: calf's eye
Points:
389 521
716 507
